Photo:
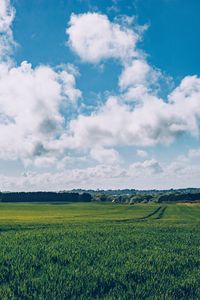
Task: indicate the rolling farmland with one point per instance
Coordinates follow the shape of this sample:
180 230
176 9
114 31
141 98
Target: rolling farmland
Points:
99 251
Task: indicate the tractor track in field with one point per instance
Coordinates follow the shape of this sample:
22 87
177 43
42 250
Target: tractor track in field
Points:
152 213
159 210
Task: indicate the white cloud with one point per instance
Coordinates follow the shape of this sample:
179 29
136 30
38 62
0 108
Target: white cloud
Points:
94 38
7 14
194 153
139 80
149 174
187 93
43 161
136 94
103 155
98 176
71 161
151 122
147 167
30 103
135 74
142 153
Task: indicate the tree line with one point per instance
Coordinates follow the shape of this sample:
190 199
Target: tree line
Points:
44 197
101 196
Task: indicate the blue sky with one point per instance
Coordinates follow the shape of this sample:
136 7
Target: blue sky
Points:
99 94
39 27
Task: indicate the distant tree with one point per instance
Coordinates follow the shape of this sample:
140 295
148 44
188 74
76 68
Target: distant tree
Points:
85 197
103 198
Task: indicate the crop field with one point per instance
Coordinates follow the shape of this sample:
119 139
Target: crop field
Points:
99 251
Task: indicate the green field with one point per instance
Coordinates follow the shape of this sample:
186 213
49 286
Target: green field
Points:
99 251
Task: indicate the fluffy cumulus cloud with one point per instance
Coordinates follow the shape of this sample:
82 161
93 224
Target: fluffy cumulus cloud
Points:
137 73
31 101
94 38
105 156
7 14
30 104
149 167
152 122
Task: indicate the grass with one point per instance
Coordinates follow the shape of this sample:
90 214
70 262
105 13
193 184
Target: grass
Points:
99 251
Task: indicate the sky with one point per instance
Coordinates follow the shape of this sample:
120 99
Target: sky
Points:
99 94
